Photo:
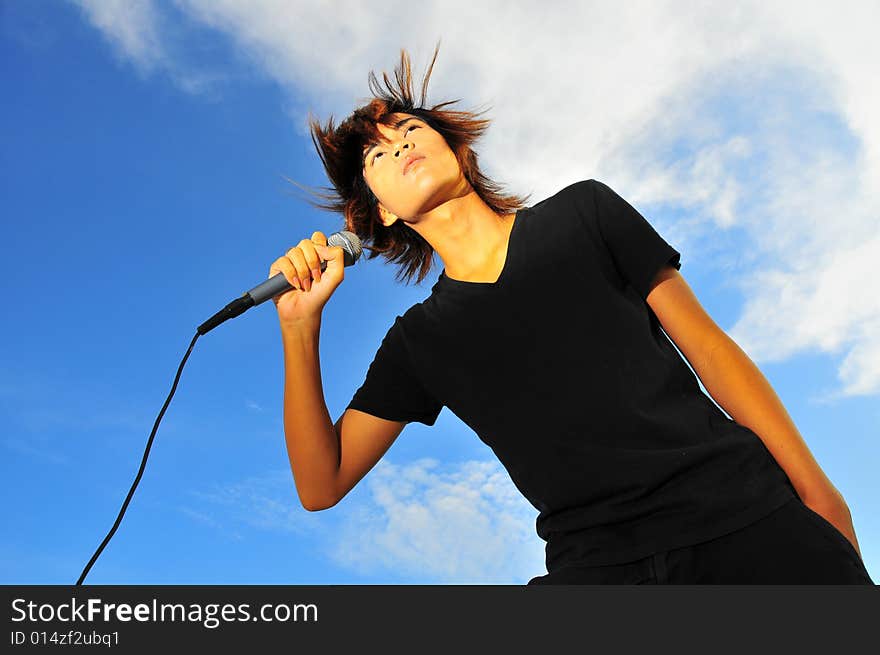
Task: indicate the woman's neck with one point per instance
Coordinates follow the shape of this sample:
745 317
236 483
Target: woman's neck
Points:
469 237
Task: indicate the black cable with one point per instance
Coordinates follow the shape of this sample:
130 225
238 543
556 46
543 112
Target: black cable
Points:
143 464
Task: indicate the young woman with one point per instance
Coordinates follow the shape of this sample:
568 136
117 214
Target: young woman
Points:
548 333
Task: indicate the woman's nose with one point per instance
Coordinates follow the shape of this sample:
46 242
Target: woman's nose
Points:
402 148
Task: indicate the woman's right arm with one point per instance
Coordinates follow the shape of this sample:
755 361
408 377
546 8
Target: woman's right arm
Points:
327 460
312 444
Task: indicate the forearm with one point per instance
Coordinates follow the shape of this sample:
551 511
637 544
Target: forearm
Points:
312 444
741 390
739 387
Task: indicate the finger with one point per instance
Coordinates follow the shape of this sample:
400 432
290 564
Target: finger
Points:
312 258
285 267
333 255
335 258
298 259
320 239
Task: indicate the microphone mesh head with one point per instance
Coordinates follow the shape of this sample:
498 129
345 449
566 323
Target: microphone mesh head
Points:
350 244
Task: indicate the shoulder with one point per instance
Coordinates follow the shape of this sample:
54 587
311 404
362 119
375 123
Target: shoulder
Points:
579 199
576 195
579 188
588 186
586 195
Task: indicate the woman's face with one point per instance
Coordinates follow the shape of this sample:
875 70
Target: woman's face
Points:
408 192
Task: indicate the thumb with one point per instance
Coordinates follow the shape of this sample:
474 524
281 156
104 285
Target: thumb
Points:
333 255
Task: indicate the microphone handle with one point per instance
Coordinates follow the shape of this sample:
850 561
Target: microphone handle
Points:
273 286
259 294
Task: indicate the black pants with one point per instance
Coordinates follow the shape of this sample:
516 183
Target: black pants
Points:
791 545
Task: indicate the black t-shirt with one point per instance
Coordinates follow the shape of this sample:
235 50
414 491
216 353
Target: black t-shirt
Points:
563 370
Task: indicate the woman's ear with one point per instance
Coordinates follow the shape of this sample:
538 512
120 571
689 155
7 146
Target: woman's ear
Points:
386 216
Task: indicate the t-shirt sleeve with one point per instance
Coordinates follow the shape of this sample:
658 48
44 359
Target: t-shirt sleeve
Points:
638 251
391 389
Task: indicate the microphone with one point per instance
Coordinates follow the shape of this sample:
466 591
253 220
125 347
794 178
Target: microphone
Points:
348 241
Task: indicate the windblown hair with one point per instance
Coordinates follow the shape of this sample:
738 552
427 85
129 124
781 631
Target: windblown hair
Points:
341 152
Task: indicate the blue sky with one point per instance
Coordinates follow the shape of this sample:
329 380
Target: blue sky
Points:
145 147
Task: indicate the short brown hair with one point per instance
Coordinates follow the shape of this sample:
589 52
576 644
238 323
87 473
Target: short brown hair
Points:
341 152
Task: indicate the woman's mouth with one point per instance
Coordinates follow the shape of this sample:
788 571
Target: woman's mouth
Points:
411 163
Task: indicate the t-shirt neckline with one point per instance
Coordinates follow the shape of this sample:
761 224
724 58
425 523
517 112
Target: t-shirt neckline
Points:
444 281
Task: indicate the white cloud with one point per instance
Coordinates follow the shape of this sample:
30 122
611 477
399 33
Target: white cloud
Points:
142 34
266 502
207 519
751 119
131 25
463 524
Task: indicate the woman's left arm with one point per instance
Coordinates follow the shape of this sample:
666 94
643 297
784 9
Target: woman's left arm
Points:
739 387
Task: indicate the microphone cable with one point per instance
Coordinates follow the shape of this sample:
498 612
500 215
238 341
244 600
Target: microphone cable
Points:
141 470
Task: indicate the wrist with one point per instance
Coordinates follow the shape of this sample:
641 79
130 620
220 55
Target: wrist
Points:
824 497
300 327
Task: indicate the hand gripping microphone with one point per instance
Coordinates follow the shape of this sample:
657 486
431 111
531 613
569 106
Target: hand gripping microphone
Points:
348 241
